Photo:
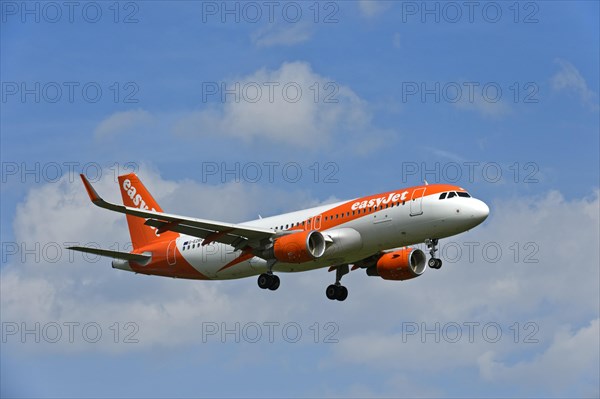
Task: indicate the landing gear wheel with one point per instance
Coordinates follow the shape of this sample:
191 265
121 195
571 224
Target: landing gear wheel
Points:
435 263
264 281
274 282
337 292
342 293
331 292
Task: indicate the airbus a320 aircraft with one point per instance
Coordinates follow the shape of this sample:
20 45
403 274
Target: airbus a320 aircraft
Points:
371 233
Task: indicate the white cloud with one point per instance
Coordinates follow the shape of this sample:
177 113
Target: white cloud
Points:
485 106
569 79
553 283
372 8
397 40
568 360
71 289
122 122
558 291
445 154
291 105
282 34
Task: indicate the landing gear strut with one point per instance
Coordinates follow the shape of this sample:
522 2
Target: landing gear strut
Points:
434 263
268 279
337 290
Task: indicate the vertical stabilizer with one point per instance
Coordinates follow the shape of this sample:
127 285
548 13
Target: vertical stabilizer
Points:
136 195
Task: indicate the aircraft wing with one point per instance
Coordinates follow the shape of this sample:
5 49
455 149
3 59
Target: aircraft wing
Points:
233 234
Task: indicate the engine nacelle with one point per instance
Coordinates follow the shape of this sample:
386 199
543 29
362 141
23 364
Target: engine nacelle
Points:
345 240
403 264
299 247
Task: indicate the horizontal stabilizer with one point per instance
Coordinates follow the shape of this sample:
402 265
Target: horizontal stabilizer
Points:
140 258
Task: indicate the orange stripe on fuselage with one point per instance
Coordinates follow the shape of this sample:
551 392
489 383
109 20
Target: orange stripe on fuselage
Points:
344 213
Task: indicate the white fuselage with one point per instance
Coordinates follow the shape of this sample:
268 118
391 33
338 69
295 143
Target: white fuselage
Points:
410 222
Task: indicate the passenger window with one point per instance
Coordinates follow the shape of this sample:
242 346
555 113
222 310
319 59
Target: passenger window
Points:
443 195
451 194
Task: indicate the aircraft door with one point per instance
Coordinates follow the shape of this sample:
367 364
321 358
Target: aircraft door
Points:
171 255
416 202
316 223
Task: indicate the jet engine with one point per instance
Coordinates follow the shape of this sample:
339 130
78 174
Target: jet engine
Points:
299 247
403 264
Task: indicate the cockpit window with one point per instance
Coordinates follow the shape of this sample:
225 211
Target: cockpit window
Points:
443 195
463 194
451 194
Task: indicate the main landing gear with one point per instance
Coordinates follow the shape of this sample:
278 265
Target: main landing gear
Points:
337 290
434 263
268 279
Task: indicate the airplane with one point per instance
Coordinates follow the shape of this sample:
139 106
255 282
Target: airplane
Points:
374 233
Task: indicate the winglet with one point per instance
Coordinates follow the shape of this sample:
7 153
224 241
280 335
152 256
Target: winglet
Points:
90 190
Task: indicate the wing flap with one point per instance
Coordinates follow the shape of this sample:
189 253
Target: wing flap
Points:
194 231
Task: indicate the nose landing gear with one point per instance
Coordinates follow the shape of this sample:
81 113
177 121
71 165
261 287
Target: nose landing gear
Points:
434 263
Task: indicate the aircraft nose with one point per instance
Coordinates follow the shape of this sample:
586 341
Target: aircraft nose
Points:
479 211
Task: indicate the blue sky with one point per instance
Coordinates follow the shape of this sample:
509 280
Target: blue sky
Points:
502 99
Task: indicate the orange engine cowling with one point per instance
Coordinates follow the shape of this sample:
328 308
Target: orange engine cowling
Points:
299 247
404 264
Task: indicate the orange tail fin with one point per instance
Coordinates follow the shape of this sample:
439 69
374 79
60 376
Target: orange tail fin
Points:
136 195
